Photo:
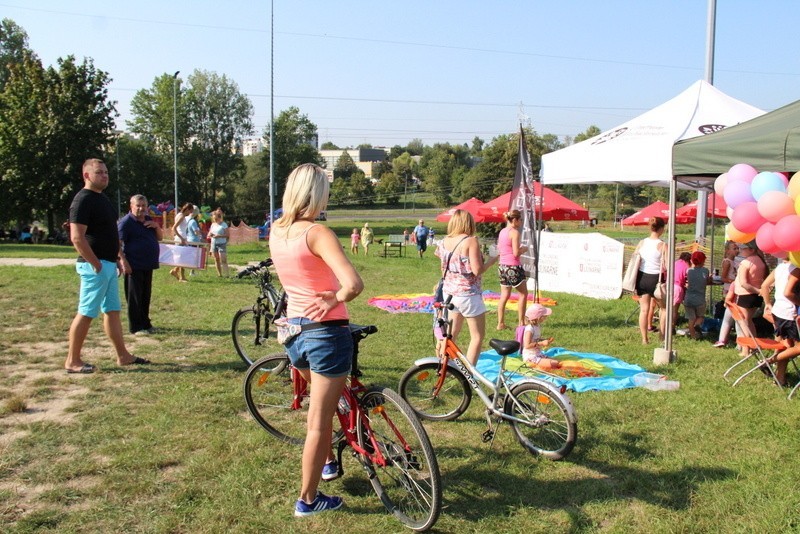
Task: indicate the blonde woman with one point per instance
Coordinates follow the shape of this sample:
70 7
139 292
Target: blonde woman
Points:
219 241
462 279
318 279
179 232
512 275
366 238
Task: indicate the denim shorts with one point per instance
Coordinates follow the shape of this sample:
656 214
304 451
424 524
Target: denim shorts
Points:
327 351
222 248
468 306
99 291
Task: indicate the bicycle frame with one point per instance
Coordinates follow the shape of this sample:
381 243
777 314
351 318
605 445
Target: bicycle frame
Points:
451 356
349 419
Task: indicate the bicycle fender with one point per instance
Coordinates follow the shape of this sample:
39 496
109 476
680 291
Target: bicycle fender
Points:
434 359
572 415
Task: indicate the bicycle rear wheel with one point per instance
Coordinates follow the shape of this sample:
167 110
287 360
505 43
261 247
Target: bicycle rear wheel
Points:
253 334
409 484
269 391
417 387
549 431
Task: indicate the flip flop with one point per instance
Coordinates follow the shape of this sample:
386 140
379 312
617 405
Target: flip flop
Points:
137 361
87 369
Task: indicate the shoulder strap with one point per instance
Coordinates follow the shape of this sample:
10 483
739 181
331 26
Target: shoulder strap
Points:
450 256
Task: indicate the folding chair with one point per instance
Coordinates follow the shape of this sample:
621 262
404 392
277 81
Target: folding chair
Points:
635 311
755 347
794 363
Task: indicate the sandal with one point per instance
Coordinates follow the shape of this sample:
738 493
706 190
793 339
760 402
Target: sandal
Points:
87 369
137 361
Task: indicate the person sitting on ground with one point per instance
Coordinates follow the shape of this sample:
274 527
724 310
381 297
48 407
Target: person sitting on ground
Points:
532 342
786 281
697 279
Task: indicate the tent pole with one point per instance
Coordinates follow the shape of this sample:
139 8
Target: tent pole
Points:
668 323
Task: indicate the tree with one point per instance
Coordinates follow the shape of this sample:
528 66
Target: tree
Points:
295 144
328 145
13 47
51 120
439 166
153 117
141 171
219 120
250 198
345 167
389 188
477 146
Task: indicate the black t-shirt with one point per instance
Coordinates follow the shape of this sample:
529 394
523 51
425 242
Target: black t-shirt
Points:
96 212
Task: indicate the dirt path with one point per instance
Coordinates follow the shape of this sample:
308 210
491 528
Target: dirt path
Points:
37 262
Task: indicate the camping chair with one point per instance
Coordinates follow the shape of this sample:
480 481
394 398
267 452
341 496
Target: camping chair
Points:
635 311
755 347
796 369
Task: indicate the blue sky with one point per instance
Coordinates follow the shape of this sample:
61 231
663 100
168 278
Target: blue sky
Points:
439 70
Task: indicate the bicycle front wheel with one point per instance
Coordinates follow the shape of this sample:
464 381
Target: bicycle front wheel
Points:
402 467
274 399
548 430
418 388
253 334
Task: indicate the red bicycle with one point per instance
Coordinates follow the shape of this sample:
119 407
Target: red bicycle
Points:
380 427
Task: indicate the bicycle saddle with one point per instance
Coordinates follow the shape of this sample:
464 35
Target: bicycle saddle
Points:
504 347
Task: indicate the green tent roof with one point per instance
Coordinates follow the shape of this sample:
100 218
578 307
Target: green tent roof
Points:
770 142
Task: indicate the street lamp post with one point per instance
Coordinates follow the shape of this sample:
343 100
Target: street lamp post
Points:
175 132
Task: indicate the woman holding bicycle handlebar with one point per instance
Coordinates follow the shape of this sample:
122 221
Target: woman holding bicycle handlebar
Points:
462 267
318 279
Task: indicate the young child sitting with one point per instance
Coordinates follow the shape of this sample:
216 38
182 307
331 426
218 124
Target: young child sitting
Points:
355 239
532 341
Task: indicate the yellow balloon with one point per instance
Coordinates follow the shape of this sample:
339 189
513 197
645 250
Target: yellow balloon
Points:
794 257
794 186
797 204
732 233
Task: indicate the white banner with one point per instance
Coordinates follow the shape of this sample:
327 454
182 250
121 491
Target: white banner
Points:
581 264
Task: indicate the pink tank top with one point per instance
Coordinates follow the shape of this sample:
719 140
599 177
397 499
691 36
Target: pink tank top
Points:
302 274
505 249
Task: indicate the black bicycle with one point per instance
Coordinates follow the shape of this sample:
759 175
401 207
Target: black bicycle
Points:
253 332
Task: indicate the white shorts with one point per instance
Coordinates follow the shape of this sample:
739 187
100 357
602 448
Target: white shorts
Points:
469 306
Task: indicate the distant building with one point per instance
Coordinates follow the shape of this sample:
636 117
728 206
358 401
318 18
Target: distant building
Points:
362 157
251 146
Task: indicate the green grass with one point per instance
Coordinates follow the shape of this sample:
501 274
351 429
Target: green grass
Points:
170 448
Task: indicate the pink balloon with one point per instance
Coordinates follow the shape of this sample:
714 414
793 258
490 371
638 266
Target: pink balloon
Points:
747 218
741 172
787 233
774 206
737 193
780 254
765 238
784 177
720 183
729 212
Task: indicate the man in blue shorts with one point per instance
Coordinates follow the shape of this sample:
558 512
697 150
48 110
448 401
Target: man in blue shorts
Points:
93 229
421 232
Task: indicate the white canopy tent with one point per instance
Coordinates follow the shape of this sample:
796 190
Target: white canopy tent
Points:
639 152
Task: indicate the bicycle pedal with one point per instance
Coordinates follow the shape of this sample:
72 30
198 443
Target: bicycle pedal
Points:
487 436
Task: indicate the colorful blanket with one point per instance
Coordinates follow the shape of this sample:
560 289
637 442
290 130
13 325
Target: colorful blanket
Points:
423 302
581 371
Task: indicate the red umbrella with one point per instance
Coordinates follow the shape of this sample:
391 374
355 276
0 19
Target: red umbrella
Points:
656 209
472 205
554 207
719 210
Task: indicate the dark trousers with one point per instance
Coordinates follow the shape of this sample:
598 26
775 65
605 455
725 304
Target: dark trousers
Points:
138 287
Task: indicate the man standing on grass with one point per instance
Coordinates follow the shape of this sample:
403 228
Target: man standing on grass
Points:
139 236
93 230
421 232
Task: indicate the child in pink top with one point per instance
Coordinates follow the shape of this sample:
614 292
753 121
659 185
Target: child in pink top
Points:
355 240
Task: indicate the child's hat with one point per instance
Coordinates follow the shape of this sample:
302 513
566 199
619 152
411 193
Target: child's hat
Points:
537 311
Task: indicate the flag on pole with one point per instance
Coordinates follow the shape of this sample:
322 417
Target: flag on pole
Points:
523 198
